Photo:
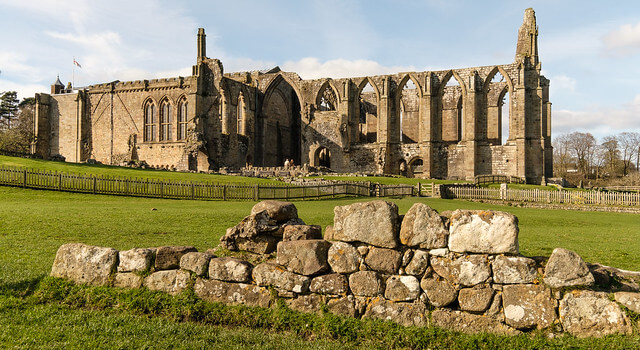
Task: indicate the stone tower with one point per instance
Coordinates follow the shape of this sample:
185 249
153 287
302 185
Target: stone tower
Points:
57 87
528 38
202 45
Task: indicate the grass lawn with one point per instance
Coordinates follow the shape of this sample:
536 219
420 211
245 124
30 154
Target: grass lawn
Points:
34 223
116 171
99 169
389 180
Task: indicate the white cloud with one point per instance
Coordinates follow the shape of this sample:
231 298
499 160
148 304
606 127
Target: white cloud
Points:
23 90
312 68
570 45
240 64
624 40
14 64
563 82
600 121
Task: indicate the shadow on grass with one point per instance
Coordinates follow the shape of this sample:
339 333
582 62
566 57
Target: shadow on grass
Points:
22 288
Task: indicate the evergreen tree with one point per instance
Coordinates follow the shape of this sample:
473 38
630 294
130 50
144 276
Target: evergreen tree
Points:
8 108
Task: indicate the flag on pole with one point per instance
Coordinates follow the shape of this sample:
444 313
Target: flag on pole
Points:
76 63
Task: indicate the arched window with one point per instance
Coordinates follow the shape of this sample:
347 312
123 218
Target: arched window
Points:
452 104
182 119
150 122
165 121
326 99
503 108
240 116
408 112
498 102
368 118
460 120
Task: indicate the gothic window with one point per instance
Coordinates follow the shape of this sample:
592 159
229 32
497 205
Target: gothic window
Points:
182 119
165 121
327 99
460 119
409 108
150 122
368 119
240 116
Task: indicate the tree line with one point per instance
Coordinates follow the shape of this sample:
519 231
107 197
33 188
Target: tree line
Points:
16 122
579 153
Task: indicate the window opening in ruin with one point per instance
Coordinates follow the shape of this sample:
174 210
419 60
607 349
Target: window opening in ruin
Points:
240 118
165 121
368 118
505 102
460 120
498 109
416 166
452 112
408 116
327 99
323 156
452 81
150 122
182 119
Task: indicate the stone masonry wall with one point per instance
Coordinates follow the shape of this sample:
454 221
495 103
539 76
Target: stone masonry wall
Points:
458 270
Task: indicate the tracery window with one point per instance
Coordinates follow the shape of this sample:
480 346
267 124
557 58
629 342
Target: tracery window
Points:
182 119
165 121
150 122
327 99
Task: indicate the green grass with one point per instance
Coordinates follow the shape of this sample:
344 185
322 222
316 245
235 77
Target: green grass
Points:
33 224
100 169
523 187
389 180
23 325
116 171
77 316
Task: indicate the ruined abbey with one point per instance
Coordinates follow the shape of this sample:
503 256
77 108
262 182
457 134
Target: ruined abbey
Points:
437 124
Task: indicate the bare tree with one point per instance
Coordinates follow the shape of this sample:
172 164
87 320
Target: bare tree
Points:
20 134
561 154
628 146
636 140
582 146
609 154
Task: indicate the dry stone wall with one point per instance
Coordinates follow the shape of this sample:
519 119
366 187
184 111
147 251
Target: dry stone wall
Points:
459 270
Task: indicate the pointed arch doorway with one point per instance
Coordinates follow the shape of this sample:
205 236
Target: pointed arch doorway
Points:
278 134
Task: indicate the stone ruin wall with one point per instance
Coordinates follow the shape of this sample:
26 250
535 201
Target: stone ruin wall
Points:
458 270
449 120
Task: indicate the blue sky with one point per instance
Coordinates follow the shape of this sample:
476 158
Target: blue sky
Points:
589 49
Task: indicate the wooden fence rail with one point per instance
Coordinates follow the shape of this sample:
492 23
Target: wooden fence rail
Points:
541 196
38 179
492 179
623 188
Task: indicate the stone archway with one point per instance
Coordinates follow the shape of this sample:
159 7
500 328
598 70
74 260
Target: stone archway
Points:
278 128
322 157
416 167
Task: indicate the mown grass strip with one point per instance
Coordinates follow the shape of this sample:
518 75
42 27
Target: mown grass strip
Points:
143 307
